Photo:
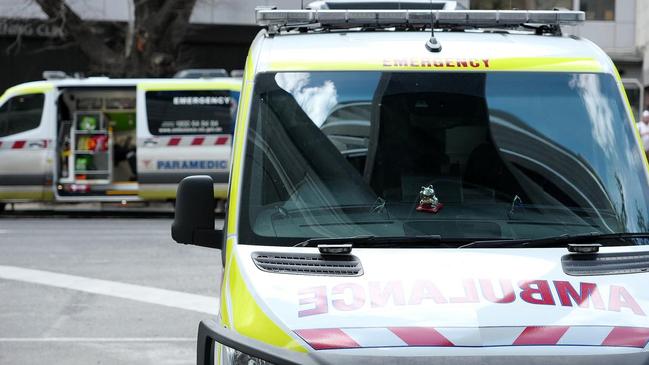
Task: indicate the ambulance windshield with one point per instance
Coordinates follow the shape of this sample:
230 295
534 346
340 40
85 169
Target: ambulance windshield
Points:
462 155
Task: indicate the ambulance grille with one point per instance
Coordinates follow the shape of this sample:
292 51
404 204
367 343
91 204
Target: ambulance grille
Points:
308 264
606 263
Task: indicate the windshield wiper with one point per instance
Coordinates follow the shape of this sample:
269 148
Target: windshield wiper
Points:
370 241
562 240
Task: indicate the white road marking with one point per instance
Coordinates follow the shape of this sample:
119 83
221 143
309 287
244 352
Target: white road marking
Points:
3 231
169 298
97 339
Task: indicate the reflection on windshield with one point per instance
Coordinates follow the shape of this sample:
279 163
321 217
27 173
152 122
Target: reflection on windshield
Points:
461 155
315 100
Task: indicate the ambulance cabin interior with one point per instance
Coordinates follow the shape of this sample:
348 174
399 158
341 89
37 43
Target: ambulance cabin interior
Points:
96 143
410 134
335 155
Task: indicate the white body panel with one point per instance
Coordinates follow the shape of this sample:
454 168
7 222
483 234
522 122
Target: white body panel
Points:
397 289
160 157
28 160
287 52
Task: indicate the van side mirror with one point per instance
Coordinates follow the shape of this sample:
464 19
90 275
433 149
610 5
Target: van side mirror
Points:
194 216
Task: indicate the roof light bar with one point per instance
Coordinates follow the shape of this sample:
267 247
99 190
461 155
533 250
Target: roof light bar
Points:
416 18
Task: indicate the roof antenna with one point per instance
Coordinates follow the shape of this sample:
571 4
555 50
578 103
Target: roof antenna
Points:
432 44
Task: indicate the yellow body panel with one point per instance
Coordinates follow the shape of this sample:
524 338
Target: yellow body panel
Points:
29 88
548 64
237 146
164 194
250 320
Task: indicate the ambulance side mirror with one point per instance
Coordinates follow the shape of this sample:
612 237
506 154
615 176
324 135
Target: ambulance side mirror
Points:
194 216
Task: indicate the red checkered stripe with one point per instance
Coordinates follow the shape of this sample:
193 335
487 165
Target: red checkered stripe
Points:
20 144
187 141
347 338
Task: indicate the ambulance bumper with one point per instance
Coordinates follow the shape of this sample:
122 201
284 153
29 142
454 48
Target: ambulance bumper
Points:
210 333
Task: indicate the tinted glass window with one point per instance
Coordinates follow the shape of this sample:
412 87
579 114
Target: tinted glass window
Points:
598 9
4 119
635 99
21 113
191 112
508 155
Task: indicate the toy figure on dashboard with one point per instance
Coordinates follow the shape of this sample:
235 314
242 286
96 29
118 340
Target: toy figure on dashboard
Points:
428 201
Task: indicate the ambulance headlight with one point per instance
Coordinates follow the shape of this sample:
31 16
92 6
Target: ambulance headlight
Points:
231 356
218 344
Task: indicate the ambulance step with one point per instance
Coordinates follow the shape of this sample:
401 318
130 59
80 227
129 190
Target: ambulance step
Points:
307 264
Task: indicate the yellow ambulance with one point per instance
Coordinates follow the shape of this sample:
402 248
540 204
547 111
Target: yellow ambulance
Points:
427 187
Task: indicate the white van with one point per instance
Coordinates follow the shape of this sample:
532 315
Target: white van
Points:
473 195
101 139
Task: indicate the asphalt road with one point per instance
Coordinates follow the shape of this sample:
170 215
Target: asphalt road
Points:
101 291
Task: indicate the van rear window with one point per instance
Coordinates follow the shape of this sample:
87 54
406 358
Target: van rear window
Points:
191 112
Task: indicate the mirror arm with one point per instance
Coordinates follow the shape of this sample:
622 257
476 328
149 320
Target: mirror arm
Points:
210 238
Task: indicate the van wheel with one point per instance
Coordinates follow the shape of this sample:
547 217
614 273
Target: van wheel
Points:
2 207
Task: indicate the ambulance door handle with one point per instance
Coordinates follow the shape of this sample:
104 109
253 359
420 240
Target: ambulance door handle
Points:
151 142
38 144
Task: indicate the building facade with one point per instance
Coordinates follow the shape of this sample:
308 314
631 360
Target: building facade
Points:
222 30
219 35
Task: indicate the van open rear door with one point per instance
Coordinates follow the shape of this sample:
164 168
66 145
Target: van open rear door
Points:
184 128
96 142
26 152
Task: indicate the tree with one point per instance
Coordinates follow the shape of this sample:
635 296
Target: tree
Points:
148 45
